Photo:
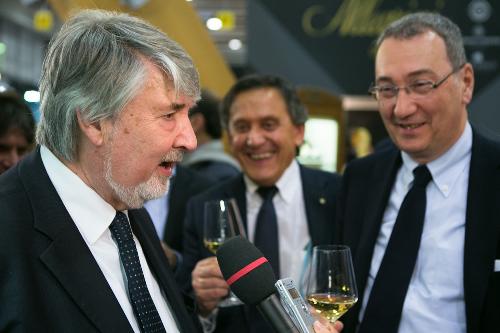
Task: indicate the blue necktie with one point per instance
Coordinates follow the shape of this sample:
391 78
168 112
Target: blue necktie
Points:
266 229
384 307
144 309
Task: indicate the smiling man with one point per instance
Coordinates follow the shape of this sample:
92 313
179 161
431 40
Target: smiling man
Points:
265 123
422 220
78 253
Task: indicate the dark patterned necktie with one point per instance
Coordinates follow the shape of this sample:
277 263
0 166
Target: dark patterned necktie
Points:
266 229
144 309
383 311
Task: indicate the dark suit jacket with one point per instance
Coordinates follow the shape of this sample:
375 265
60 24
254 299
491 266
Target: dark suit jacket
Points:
216 170
49 280
364 194
320 190
185 184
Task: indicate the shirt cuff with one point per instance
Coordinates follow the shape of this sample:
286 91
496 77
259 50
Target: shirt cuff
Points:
209 322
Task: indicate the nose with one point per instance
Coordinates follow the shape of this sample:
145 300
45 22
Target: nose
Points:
404 105
185 139
254 137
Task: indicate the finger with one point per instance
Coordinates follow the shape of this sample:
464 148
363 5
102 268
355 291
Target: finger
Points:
202 282
207 269
319 327
208 261
211 294
324 328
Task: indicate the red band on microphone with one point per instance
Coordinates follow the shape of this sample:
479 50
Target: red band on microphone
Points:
245 270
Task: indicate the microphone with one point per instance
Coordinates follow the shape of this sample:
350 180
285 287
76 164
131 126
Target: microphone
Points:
252 279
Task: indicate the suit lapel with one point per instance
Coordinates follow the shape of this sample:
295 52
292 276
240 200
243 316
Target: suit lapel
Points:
68 258
481 230
382 180
314 200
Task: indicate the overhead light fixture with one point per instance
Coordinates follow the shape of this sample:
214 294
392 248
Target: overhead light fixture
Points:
214 23
234 44
32 96
4 86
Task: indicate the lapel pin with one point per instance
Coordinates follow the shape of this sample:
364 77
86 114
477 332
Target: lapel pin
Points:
322 201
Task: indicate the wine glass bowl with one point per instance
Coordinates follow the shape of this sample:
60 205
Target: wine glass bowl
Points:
221 222
331 286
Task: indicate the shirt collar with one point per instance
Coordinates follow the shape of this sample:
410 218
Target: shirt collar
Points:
91 214
446 168
286 184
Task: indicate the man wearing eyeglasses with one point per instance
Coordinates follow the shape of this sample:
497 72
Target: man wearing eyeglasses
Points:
422 220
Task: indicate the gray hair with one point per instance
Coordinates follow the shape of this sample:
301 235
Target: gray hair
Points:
416 24
295 108
95 65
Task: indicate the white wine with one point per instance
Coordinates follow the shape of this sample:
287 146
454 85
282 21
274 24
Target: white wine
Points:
331 307
212 245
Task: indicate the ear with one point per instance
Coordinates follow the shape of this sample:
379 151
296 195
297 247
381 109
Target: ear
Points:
468 83
197 122
299 134
92 131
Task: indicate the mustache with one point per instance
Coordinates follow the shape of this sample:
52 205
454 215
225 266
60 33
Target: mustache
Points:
174 155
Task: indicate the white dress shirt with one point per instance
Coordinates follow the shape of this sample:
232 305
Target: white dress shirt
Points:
435 298
93 216
291 217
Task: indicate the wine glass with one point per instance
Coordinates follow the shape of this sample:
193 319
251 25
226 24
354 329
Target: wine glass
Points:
331 286
221 222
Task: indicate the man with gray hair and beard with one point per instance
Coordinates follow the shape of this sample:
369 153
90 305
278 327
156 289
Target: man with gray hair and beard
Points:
78 252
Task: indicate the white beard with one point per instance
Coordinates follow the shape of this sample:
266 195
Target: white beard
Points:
135 196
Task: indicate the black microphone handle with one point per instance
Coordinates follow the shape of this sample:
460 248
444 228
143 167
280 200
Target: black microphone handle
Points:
274 313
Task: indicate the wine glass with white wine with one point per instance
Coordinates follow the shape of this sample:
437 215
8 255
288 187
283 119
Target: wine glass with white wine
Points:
221 222
331 286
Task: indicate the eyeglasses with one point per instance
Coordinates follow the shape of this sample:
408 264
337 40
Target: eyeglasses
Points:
420 88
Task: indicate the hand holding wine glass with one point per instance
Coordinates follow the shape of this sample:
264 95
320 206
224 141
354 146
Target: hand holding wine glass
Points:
331 286
209 286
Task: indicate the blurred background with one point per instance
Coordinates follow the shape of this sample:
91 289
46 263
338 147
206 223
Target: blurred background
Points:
323 46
